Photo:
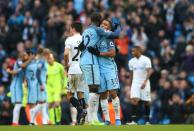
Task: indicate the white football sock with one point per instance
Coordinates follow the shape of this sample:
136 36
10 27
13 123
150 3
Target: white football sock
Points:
45 117
16 113
34 112
73 114
116 105
93 107
105 111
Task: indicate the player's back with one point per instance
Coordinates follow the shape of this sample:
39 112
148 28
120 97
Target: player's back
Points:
72 44
42 66
91 38
31 70
106 64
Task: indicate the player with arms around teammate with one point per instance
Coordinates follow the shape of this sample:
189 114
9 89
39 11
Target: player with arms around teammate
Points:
140 67
55 83
89 62
41 74
17 84
32 85
75 77
109 82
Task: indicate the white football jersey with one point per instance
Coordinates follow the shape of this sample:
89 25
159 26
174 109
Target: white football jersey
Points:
139 66
74 53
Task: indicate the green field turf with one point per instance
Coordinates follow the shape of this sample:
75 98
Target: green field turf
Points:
101 128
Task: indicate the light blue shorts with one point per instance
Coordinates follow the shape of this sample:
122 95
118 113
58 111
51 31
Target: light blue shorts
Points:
42 96
109 81
91 74
16 92
32 91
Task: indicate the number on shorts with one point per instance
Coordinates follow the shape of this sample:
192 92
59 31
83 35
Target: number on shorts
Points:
76 55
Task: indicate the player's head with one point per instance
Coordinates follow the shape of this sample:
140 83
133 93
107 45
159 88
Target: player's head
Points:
136 51
96 18
43 52
51 59
106 24
76 27
24 56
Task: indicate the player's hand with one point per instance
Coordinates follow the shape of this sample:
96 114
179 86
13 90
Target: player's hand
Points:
143 85
8 70
81 46
41 88
94 51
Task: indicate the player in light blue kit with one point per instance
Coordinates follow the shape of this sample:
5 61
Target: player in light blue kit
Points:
16 85
41 75
89 62
32 84
109 82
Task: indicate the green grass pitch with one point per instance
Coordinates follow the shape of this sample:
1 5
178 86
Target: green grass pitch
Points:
101 128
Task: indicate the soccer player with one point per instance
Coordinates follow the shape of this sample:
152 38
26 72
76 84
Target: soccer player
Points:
75 77
89 62
140 67
16 85
109 82
42 57
55 83
31 79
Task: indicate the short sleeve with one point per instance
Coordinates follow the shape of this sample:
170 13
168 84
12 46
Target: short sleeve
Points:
67 43
148 63
130 66
111 45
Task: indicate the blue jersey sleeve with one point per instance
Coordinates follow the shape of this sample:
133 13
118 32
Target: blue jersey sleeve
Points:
111 45
107 34
38 73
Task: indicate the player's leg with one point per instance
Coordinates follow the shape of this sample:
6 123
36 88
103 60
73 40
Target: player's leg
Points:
145 102
16 113
116 105
104 106
112 86
73 111
135 109
92 78
50 100
103 98
32 101
42 97
57 105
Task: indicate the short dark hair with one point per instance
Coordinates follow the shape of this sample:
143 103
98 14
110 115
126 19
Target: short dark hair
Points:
109 21
96 18
77 26
137 47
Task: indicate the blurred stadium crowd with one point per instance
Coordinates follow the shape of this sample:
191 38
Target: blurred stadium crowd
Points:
163 28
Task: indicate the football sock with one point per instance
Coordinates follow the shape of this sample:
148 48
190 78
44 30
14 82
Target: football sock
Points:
147 113
116 105
105 111
44 113
73 114
134 112
16 113
75 103
82 103
58 114
32 115
52 115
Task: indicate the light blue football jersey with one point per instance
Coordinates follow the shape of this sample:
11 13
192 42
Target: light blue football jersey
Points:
42 69
106 64
30 72
91 37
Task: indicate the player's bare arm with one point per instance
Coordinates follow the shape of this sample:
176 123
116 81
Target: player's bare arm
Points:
66 58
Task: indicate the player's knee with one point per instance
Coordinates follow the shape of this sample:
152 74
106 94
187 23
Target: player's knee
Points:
134 101
80 95
103 95
113 94
93 88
